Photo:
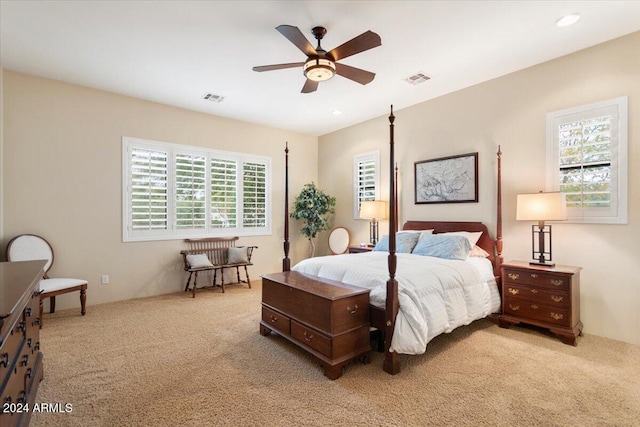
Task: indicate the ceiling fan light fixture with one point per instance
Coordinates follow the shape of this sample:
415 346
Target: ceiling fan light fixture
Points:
319 69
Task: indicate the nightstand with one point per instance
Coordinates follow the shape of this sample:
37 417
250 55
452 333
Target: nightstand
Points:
548 297
359 249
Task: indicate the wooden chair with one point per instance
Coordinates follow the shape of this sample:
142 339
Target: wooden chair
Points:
28 247
339 240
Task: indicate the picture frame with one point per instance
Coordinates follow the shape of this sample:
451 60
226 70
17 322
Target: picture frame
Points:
452 179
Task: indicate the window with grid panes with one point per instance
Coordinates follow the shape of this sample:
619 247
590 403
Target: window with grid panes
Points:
587 160
366 179
172 191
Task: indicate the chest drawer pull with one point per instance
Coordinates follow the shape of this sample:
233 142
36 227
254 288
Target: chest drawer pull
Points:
4 360
534 291
534 276
513 276
535 307
274 319
556 316
307 336
353 310
555 282
514 307
514 291
556 298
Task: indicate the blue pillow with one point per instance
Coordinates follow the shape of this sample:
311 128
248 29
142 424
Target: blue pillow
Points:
441 246
405 242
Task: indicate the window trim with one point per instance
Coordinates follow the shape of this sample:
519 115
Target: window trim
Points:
373 156
617 214
172 232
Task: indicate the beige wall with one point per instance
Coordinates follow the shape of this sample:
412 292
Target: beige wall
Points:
61 178
510 111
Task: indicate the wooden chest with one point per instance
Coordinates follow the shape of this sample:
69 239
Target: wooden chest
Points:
542 296
326 318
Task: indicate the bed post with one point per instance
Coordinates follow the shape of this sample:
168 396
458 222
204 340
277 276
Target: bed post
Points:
499 258
391 363
286 262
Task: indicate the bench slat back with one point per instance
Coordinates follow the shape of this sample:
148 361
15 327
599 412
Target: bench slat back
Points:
214 247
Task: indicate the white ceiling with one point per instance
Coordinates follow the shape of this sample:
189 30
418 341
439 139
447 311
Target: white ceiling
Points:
173 52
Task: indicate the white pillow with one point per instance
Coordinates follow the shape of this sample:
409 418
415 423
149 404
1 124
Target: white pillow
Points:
478 252
237 255
198 261
472 237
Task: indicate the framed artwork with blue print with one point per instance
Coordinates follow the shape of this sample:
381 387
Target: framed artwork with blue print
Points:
452 179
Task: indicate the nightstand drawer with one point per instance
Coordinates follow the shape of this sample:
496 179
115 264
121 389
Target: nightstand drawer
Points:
542 295
552 281
536 311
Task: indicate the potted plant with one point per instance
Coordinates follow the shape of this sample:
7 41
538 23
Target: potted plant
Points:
312 206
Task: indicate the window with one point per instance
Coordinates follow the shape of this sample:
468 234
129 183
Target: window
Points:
174 191
587 160
366 179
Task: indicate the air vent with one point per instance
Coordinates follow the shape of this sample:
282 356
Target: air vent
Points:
212 97
417 78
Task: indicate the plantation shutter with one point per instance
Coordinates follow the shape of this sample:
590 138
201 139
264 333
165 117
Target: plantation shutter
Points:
254 204
190 191
148 189
223 193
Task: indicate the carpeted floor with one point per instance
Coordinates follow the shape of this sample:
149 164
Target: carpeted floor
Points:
176 361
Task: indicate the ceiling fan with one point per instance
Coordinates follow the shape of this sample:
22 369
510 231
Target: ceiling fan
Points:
320 64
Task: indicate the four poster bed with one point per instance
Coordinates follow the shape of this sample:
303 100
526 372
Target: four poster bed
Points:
326 305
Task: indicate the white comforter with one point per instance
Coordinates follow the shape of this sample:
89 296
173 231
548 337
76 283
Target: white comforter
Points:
436 295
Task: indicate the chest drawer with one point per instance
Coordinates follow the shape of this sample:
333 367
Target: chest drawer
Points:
551 281
276 320
533 310
535 294
311 337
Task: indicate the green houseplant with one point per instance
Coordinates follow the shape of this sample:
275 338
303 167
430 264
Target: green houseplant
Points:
312 206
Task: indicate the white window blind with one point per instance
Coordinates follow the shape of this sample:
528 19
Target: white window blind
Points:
587 160
173 191
366 179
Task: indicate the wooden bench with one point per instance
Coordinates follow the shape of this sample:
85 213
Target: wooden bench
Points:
217 250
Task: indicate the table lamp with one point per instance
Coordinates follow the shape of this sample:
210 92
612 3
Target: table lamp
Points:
541 207
374 210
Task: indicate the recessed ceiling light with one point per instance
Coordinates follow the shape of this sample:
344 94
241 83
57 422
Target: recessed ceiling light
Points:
567 20
337 112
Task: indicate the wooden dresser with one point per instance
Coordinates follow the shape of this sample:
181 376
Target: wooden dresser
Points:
548 297
328 319
20 356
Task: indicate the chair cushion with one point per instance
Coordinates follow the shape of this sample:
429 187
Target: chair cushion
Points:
199 261
237 255
52 285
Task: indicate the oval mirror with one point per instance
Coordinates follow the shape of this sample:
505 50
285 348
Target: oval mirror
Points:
339 240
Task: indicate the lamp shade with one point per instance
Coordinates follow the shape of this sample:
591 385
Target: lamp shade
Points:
373 209
541 207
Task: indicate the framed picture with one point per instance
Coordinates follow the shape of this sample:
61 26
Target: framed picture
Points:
451 179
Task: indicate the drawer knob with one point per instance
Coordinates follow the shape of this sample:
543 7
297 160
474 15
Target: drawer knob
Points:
514 307
556 298
556 316
534 291
4 360
307 336
25 360
514 276
353 310
514 291
535 307
534 276
556 282
274 319
27 311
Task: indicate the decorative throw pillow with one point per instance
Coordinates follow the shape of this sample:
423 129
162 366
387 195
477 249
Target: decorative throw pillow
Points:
198 261
237 255
405 242
472 236
443 246
477 251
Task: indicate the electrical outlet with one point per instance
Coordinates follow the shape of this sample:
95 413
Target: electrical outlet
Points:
105 279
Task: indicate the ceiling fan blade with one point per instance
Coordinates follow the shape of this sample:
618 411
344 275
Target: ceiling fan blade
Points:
278 66
309 86
365 41
356 74
295 36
